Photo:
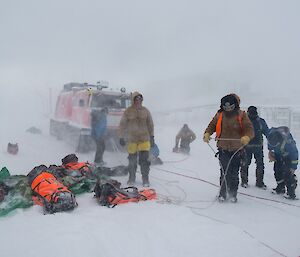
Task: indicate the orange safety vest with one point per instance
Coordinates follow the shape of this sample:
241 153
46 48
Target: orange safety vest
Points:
219 124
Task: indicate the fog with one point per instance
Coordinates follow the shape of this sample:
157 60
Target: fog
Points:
177 53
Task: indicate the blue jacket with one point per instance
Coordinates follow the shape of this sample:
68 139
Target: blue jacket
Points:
260 128
99 125
286 151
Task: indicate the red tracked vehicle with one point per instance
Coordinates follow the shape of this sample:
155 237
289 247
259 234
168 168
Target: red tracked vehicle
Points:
72 117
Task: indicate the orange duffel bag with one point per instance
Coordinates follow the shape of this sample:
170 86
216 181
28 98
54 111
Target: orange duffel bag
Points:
52 194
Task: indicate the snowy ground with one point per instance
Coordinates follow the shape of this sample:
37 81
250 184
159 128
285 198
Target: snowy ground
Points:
186 220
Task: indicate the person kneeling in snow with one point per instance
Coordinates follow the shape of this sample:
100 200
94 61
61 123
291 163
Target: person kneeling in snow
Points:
283 151
183 139
233 131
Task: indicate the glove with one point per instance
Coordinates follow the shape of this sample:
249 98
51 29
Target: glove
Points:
152 141
245 140
206 137
292 171
271 156
122 142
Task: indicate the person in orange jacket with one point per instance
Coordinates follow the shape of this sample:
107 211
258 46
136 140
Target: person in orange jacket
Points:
233 130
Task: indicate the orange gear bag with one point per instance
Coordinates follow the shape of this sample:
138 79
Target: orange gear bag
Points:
52 194
109 195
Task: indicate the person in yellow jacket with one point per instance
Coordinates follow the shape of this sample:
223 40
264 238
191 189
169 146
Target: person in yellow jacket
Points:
136 127
233 130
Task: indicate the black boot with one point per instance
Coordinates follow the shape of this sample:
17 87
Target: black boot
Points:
131 179
280 189
145 167
291 185
259 179
145 179
232 196
244 184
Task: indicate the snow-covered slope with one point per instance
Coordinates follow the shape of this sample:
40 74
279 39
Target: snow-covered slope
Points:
186 220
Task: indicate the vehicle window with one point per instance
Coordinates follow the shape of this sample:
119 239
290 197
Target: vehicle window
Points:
114 102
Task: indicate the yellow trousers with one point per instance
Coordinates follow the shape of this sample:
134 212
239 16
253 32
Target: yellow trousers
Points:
132 148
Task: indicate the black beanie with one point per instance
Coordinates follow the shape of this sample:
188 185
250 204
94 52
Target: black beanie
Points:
69 158
252 111
229 100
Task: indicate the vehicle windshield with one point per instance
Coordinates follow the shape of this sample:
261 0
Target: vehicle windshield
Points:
110 101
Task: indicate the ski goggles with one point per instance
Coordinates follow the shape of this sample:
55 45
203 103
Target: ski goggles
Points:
227 107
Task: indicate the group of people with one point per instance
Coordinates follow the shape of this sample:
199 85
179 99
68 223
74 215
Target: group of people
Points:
136 132
239 137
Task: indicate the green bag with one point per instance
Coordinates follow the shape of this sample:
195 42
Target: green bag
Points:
4 173
19 194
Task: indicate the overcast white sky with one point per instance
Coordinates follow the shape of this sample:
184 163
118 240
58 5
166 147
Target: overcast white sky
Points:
151 44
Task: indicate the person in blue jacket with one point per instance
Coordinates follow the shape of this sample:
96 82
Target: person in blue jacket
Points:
99 126
255 149
283 151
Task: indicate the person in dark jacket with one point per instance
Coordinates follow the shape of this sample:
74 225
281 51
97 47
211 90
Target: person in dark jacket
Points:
183 139
233 131
284 153
255 148
99 126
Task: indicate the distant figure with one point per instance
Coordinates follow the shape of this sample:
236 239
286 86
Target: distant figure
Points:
255 148
183 139
137 127
12 148
284 153
154 155
99 126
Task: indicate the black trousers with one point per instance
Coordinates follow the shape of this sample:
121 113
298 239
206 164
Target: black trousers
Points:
229 172
100 148
258 154
284 177
143 162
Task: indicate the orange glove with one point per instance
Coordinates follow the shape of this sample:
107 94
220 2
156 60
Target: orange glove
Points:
206 137
245 140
